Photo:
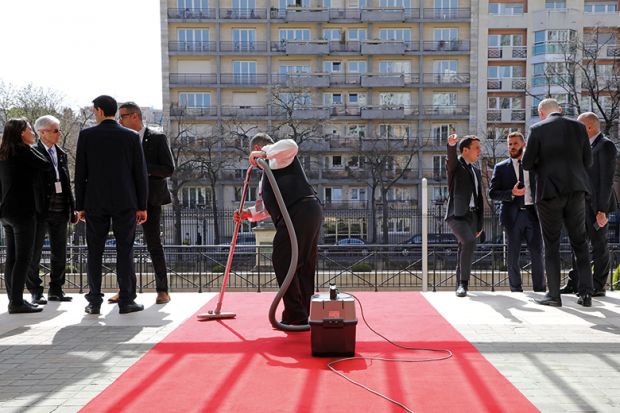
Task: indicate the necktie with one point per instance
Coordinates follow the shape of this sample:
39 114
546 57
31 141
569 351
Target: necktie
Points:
521 199
51 152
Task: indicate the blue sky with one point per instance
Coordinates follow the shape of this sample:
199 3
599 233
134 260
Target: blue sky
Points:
83 48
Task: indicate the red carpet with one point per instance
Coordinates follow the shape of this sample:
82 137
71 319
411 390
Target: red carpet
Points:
243 365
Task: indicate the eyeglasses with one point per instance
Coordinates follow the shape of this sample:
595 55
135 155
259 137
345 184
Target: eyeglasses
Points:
124 115
52 130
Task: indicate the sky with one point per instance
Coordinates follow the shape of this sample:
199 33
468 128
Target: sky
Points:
83 48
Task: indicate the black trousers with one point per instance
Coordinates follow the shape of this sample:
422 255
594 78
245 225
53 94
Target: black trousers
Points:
570 211
152 237
600 253
464 230
307 218
55 224
19 234
124 229
526 227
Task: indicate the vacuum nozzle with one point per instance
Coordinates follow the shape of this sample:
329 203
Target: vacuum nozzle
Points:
333 291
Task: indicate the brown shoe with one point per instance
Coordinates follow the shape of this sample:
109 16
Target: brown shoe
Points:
113 299
162 297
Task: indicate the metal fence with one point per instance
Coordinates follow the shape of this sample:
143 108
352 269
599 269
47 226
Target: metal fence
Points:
370 267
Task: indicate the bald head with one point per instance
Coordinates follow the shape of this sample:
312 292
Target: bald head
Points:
547 106
591 122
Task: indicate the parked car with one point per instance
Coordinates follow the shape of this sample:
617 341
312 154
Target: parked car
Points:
441 252
347 246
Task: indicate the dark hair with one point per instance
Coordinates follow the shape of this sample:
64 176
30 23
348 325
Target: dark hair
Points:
132 107
517 135
261 139
107 104
12 137
467 141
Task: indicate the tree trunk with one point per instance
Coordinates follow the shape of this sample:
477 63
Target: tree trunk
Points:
373 214
216 225
176 210
385 214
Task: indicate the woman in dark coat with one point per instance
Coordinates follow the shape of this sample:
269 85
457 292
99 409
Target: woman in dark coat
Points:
19 164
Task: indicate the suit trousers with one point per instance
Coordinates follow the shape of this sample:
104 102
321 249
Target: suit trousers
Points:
19 234
600 254
124 229
570 211
307 218
525 226
55 224
152 237
464 229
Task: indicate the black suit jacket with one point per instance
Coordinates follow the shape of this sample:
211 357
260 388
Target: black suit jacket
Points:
159 165
46 180
18 177
558 152
461 186
503 180
601 174
110 171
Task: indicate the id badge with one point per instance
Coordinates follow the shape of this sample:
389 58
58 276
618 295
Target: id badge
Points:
58 186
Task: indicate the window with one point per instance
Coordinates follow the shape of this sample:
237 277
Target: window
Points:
333 194
356 162
441 133
294 69
295 100
191 5
193 39
395 99
552 41
244 72
358 131
332 67
444 70
392 131
395 35
332 99
356 99
358 194
444 101
243 9
194 100
505 9
555 4
440 195
398 225
505 102
336 161
503 72
356 35
333 35
394 66
500 133
439 166
295 35
194 196
244 39
404 4
496 40
250 196
356 66
600 7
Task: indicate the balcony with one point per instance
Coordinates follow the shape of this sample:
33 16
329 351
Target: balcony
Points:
383 47
304 15
191 48
344 111
507 84
344 79
191 15
239 79
446 46
243 14
188 113
243 46
313 47
343 15
436 174
310 113
445 110
506 115
384 79
508 52
561 48
389 14
293 80
243 112
387 112
345 47
446 79
192 79
446 14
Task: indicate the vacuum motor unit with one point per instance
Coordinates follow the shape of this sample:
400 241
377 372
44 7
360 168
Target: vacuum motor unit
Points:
332 324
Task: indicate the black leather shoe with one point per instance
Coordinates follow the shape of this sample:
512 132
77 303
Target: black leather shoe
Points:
93 309
24 308
131 307
550 301
461 291
598 293
59 296
585 300
568 289
37 298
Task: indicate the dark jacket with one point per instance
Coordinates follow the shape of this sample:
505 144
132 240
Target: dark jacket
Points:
558 151
601 174
461 186
110 171
503 180
18 182
159 165
46 180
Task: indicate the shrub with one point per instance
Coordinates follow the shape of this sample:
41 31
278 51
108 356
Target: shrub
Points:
361 267
218 268
615 278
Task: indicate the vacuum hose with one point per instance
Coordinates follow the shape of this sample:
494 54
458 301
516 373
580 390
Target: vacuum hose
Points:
292 268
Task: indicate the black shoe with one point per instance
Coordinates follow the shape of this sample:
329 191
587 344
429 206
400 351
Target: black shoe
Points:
130 307
598 293
59 296
517 290
568 289
37 298
461 291
93 308
295 323
24 308
550 301
585 300
541 290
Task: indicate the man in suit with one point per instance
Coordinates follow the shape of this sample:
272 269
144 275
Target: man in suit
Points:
465 206
558 151
57 206
602 201
515 188
159 166
110 185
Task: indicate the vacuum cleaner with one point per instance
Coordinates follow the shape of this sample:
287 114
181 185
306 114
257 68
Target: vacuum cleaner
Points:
332 320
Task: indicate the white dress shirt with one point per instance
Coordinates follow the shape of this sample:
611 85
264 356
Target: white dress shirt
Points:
528 200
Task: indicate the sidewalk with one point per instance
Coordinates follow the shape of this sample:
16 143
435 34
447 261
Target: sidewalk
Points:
563 359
